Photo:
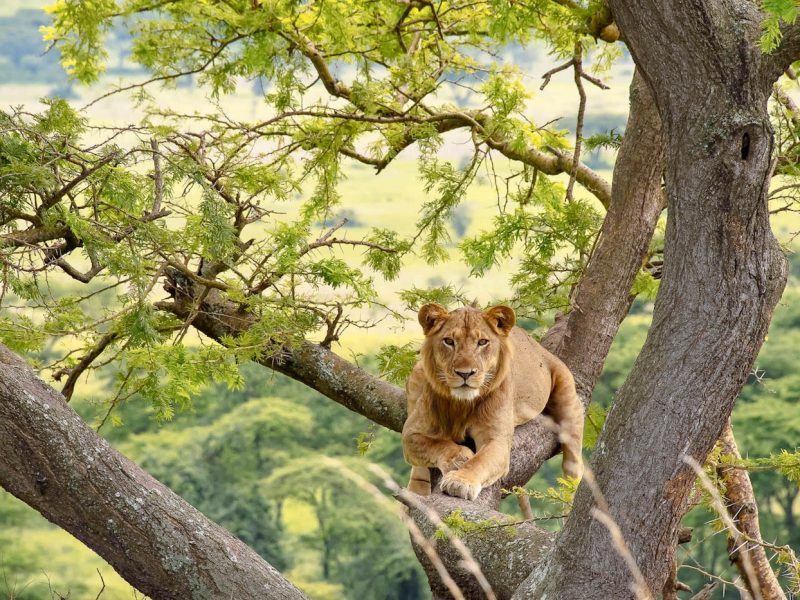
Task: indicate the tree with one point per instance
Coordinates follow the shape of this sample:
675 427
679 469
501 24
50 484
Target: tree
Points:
262 287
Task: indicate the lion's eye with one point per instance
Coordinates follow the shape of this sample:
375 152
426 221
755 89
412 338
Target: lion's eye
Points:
482 342
449 342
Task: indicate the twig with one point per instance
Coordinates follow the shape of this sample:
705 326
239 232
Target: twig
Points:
555 70
84 363
102 589
577 63
158 177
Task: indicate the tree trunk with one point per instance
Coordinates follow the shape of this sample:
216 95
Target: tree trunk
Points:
749 557
54 462
723 274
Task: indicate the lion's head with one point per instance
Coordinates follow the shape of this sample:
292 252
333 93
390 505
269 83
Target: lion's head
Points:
466 353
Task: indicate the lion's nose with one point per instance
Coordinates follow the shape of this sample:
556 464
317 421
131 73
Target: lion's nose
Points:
466 374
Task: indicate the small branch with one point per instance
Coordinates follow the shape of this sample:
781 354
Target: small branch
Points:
594 80
75 274
83 364
577 63
102 589
53 198
555 70
158 177
169 77
332 325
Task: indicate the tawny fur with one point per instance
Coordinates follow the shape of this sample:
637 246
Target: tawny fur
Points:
479 376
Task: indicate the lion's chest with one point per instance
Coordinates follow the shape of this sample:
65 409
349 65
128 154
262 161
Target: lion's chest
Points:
453 418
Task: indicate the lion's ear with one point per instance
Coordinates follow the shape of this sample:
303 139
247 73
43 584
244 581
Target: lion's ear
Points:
501 318
431 315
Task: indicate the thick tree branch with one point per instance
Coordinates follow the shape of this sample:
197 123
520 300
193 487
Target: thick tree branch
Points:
31 237
786 54
506 551
54 462
602 297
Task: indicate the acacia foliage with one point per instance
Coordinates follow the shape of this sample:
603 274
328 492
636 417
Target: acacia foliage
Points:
248 210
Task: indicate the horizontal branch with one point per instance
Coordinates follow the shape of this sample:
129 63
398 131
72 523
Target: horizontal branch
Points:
555 164
313 365
32 236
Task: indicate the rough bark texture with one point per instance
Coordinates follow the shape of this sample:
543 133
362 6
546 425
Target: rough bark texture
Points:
54 462
603 297
741 504
506 554
723 275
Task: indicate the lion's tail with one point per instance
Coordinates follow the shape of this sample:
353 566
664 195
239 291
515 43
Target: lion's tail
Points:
567 411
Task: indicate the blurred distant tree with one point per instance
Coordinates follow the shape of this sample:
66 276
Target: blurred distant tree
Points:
360 548
347 81
21 57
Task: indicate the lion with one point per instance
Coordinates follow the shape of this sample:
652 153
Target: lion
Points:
477 378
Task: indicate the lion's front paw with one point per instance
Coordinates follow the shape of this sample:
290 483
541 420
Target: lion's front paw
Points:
455 460
461 484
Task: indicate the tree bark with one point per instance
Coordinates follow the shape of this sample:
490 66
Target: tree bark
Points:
506 554
741 504
723 274
55 463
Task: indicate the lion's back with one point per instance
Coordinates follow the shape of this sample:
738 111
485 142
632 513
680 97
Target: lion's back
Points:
531 370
